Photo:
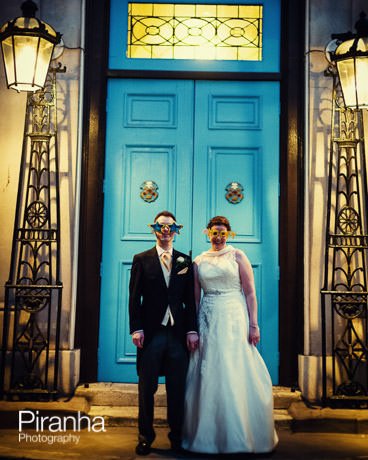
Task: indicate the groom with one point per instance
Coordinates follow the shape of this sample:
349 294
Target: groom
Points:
163 326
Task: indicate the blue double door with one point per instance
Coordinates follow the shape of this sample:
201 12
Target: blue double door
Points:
198 149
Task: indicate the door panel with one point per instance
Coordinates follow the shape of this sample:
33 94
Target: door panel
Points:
192 140
237 140
146 141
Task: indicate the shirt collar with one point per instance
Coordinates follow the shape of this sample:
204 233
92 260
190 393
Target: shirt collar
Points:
160 251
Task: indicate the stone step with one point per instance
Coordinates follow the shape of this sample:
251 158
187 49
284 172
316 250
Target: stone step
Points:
327 420
298 416
116 394
283 397
127 416
126 394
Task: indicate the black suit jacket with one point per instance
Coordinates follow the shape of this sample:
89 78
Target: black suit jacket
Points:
149 296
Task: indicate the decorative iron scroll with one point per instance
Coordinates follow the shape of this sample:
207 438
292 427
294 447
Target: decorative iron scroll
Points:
183 31
149 192
344 294
234 192
32 310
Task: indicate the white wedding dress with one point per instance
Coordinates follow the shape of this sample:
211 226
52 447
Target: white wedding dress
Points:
229 400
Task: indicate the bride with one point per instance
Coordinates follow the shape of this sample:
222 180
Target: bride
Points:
229 400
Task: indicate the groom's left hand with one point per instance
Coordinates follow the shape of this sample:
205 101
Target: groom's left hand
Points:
192 341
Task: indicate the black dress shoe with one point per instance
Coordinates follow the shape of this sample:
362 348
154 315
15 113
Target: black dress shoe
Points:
143 448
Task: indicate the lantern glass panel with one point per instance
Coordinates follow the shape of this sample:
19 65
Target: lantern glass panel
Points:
347 80
361 80
43 60
34 23
7 47
25 61
344 47
363 44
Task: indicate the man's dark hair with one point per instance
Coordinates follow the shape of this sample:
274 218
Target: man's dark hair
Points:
165 214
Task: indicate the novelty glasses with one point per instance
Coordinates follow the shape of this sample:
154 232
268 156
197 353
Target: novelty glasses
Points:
220 233
173 228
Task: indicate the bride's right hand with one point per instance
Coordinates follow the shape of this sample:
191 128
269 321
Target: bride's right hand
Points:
254 334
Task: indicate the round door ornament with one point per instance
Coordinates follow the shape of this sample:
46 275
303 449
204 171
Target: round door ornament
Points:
234 192
149 192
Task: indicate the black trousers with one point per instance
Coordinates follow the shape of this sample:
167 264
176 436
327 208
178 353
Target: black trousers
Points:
164 354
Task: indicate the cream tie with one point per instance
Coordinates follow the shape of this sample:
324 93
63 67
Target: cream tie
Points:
166 261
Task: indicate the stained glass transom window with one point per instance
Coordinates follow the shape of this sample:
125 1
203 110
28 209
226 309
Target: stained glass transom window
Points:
183 31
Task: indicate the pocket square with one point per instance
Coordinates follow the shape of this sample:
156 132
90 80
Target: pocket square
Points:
183 271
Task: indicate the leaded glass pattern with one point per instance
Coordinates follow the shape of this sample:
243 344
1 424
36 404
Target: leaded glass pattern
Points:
183 31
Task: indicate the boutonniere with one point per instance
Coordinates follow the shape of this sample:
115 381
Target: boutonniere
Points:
182 262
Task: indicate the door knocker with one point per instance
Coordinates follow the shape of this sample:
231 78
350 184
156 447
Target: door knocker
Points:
234 192
149 192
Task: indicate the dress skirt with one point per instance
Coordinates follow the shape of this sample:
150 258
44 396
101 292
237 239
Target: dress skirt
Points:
229 398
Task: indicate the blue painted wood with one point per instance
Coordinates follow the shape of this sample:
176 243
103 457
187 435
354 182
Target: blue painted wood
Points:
237 140
271 42
192 139
149 137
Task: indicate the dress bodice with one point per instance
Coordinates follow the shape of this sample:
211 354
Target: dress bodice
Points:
218 271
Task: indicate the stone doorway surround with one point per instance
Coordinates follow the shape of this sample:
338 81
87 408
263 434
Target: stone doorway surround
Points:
291 176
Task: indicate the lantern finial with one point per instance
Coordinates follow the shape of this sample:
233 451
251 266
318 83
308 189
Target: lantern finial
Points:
29 9
361 25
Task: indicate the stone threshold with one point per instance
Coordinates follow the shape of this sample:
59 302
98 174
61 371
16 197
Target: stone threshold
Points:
126 394
128 415
117 404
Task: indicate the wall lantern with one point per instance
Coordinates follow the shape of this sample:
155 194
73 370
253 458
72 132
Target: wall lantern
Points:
31 326
27 46
344 295
351 58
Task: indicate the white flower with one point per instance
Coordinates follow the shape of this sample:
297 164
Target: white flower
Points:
180 259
